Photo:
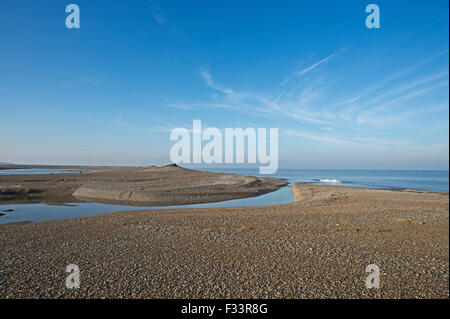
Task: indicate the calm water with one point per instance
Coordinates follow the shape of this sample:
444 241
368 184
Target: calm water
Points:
386 179
422 180
38 171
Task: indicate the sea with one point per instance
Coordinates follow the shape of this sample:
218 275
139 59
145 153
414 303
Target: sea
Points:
380 179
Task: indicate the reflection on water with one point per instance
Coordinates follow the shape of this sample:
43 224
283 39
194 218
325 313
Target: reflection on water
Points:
422 180
41 212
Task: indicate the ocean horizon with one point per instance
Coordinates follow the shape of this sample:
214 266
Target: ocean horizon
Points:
379 179
427 180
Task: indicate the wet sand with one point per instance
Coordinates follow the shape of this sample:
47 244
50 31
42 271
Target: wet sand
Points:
316 247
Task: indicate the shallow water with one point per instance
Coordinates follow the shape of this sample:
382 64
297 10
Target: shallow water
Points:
41 212
34 171
422 180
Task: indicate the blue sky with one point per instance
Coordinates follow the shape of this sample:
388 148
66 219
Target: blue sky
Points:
342 95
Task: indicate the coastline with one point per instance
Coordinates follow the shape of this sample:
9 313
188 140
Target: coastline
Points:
315 247
32 206
134 186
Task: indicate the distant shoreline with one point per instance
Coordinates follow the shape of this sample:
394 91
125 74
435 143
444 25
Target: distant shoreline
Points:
134 186
19 166
209 169
108 198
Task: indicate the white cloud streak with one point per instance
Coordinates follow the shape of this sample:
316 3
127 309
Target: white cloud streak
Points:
315 65
308 102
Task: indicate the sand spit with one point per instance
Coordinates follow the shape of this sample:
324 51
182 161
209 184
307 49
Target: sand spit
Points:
317 247
306 192
168 185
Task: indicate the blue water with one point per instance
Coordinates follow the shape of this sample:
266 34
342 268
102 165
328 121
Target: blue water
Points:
34 171
386 179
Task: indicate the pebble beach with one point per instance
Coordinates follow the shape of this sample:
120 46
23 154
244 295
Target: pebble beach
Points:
316 247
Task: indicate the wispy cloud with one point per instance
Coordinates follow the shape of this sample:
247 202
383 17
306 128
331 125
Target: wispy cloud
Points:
155 9
320 138
369 143
409 86
315 65
385 114
291 103
390 79
310 100
209 82
310 68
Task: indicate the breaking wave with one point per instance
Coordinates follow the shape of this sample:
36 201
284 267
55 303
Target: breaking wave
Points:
329 181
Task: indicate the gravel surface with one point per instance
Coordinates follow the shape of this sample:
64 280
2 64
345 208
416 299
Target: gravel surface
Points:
317 247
